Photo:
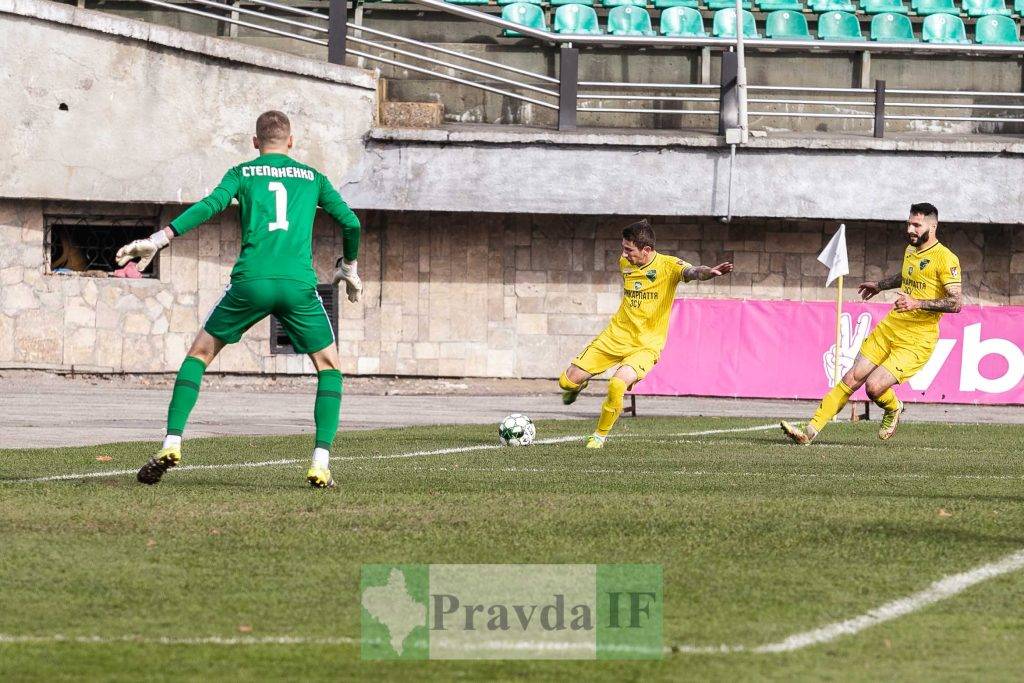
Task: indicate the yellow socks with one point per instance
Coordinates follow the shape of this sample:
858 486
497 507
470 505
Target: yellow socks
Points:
888 401
567 384
830 406
612 406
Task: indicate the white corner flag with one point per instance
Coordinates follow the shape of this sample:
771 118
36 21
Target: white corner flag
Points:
834 256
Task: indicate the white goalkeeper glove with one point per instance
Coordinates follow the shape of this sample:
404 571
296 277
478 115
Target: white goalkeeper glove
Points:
347 271
144 250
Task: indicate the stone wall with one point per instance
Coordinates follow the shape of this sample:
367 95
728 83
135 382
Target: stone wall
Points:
446 294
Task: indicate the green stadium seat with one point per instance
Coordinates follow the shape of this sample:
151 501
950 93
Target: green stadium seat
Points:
577 20
502 3
944 28
839 26
724 24
559 3
623 3
983 8
773 5
786 25
531 16
1018 7
665 4
630 21
682 22
892 28
928 7
822 6
883 6
726 4
996 30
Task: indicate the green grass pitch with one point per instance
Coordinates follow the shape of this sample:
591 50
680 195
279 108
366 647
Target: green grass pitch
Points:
758 540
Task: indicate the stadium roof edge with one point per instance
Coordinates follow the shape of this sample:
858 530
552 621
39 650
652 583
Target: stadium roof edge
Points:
494 134
187 41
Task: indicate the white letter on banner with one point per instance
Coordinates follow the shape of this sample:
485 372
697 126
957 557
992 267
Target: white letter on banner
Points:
926 375
975 349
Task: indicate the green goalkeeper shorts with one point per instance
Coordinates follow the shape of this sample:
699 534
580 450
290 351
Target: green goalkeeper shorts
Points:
296 304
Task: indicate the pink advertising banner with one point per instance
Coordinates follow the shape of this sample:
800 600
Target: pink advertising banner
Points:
784 349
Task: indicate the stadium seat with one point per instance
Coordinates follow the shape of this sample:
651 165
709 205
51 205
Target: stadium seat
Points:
892 28
839 26
883 6
531 16
1018 7
630 21
502 3
928 7
822 6
724 24
623 3
577 19
665 4
559 3
682 22
996 30
786 25
773 5
982 8
944 28
726 4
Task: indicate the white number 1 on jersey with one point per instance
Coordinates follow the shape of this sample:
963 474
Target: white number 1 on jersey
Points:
281 206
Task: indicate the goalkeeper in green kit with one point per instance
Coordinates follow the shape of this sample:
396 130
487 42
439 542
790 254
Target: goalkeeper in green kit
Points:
277 198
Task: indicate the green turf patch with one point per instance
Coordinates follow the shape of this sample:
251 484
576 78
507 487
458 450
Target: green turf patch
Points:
757 540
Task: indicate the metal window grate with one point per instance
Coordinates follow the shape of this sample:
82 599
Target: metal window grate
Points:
87 243
279 341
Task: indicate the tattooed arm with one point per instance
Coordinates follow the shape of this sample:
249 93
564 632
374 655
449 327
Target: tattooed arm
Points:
706 272
871 288
951 303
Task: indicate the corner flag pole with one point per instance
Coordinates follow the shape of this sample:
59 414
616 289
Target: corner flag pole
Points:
839 317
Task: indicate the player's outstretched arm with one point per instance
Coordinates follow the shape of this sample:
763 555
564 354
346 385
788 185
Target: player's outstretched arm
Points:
951 303
871 287
347 265
707 272
145 249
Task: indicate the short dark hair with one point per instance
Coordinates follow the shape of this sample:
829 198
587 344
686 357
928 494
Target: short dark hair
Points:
640 233
273 126
924 209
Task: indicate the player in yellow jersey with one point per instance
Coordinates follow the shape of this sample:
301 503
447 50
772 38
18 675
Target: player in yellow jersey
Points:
636 334
900 345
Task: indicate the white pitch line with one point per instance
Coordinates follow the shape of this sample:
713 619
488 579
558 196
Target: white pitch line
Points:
392 456
943 589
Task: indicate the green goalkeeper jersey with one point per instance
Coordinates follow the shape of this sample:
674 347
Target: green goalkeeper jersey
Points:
277 199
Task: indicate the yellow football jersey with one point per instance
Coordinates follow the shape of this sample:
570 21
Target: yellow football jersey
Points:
643 315
925 276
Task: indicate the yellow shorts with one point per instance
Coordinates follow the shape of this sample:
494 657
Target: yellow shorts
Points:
899 356
598 356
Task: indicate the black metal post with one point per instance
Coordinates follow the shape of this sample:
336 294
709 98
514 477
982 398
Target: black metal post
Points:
336 31
879 109
728 98
568 86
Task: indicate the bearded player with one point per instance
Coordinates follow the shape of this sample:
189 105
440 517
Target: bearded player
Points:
636 334
899 346
277 199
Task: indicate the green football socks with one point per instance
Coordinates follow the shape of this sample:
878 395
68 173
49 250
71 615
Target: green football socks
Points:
327 407
186 392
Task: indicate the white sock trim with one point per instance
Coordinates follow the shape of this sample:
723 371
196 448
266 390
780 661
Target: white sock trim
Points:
321 458
172 441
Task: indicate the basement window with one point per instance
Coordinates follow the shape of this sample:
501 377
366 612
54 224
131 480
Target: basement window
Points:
87 244
279 340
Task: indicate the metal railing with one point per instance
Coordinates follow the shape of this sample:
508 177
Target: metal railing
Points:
563 93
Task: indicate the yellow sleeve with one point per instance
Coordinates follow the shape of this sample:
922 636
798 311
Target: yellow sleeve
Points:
950 273
681 267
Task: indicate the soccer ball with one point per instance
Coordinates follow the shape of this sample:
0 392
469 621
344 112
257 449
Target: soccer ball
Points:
516 430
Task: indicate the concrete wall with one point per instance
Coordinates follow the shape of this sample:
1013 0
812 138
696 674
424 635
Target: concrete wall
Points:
446 294
109 109
496 170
